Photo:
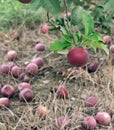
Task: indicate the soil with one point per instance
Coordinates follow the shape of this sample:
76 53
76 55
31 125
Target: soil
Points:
56 71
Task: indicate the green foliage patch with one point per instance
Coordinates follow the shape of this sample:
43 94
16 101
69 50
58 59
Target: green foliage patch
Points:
14 13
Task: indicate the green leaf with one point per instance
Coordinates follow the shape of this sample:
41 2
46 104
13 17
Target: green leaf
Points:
94 44
59 45
63 29
51 6
96 36
75 16
63 52
82 19
78 36
101 46
87 22
36 3
109 6
67 38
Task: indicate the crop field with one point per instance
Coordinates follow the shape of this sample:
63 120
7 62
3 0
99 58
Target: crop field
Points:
52 75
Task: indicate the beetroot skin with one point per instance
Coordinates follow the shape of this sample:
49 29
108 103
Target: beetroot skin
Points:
91 101
89 123
62 92
78 57
103 118
62 122
25 1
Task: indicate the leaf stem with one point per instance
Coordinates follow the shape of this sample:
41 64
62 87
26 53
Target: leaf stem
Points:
69 28
48 16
